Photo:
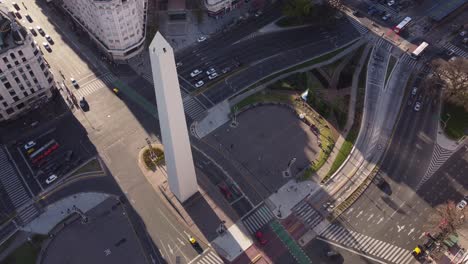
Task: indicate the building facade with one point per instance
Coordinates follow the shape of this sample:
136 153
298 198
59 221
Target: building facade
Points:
217 8
118 27
25 79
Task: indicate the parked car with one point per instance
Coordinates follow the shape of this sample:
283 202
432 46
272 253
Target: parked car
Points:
213 76
29 18
15 5
414 91
29 145
386 17
210 71
201 39
199 84
18 15
51 179
417 106
391 2
195 73
461 204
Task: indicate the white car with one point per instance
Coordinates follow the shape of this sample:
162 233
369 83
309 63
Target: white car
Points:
51 178
417 106
461 204
74 82
49 39
386 17
201 39
210 71
195 73
391 2
29 145
450 52
31 29
213 76
199 84
414 91
462 34
39 29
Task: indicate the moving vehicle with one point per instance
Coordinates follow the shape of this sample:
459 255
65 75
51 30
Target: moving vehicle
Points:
414 91
15 5
201 39
195 73
49 39
47 46
461 205
386 17
29 145
391 2
39 29
195 245
18 15
417 52
84 104
31 29
199 84
51 179
116 91
398 28
417 106
74 83
29 18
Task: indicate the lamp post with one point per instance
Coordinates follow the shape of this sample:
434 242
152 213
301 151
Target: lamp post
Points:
445 122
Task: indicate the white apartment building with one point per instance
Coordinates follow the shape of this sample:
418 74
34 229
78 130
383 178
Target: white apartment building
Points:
217 8
25 79
117 26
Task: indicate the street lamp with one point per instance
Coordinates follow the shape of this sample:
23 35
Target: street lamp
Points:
287 172
445 122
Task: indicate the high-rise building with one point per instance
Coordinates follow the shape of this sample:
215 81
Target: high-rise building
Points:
25 79
118 27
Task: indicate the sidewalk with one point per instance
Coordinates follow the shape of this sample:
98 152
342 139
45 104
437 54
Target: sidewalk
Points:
323 171
56 212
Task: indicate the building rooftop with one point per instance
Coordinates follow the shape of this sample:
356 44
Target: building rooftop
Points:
12 34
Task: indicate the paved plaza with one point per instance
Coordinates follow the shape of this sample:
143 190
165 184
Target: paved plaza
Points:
264 142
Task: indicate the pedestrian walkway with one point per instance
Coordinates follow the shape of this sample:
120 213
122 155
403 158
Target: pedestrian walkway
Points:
456 50
362 243
405 58
27 214
258 218
208 257
193 108
11 182
439 156
307 214
295 250
358 26
95 85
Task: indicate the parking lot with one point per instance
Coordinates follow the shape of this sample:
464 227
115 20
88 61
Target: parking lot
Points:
264 143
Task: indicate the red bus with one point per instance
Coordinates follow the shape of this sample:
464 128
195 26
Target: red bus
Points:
398 28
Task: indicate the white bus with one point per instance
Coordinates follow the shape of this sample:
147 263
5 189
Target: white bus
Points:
398 28
417 52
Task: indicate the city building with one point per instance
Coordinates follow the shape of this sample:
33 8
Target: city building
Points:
25 79
217 8
118 27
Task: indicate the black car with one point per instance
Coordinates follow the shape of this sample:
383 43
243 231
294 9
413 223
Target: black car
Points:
16 6
84 105
28 17
18 15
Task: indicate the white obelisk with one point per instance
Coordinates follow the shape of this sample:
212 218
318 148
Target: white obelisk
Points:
177 152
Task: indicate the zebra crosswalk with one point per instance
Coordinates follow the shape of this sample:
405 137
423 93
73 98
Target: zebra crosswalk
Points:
193 108
258 218
439 157
209 257
456 50
27 214
408 60
11 181
358 26
94 85
366 244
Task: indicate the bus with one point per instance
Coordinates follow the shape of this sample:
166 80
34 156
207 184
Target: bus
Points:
417 52
398 28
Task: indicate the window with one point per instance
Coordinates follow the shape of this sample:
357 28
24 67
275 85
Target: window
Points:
7 85
24 77
9 110
28 67
32 90
36 52
16 98
17 80
32 73
16 63
20 52
42 66
12 55
13 73
50 80
5 59
1 98
20 105
23 59
5 104
35 80
8 66
25 93
21 87
28 83
20 70
12 92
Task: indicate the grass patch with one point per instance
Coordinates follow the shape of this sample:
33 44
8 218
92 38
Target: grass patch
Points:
391 64
456 119
92 166
152 163
26 253
344 151
270 96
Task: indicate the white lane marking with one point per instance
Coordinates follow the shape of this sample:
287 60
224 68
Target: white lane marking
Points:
380 220
352 251
350 210
400 228
360 213
370 217
411 231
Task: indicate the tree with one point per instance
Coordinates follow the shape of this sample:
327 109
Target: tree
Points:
335 4
453 75
446 219
299 9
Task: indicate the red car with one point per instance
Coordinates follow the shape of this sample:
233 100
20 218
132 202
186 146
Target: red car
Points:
260 238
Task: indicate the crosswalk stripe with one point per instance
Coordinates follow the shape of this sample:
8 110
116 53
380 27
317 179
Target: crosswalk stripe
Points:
390 251
382 250
369 244
328 230
338 233
408 259
378 245
349 239
396 254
